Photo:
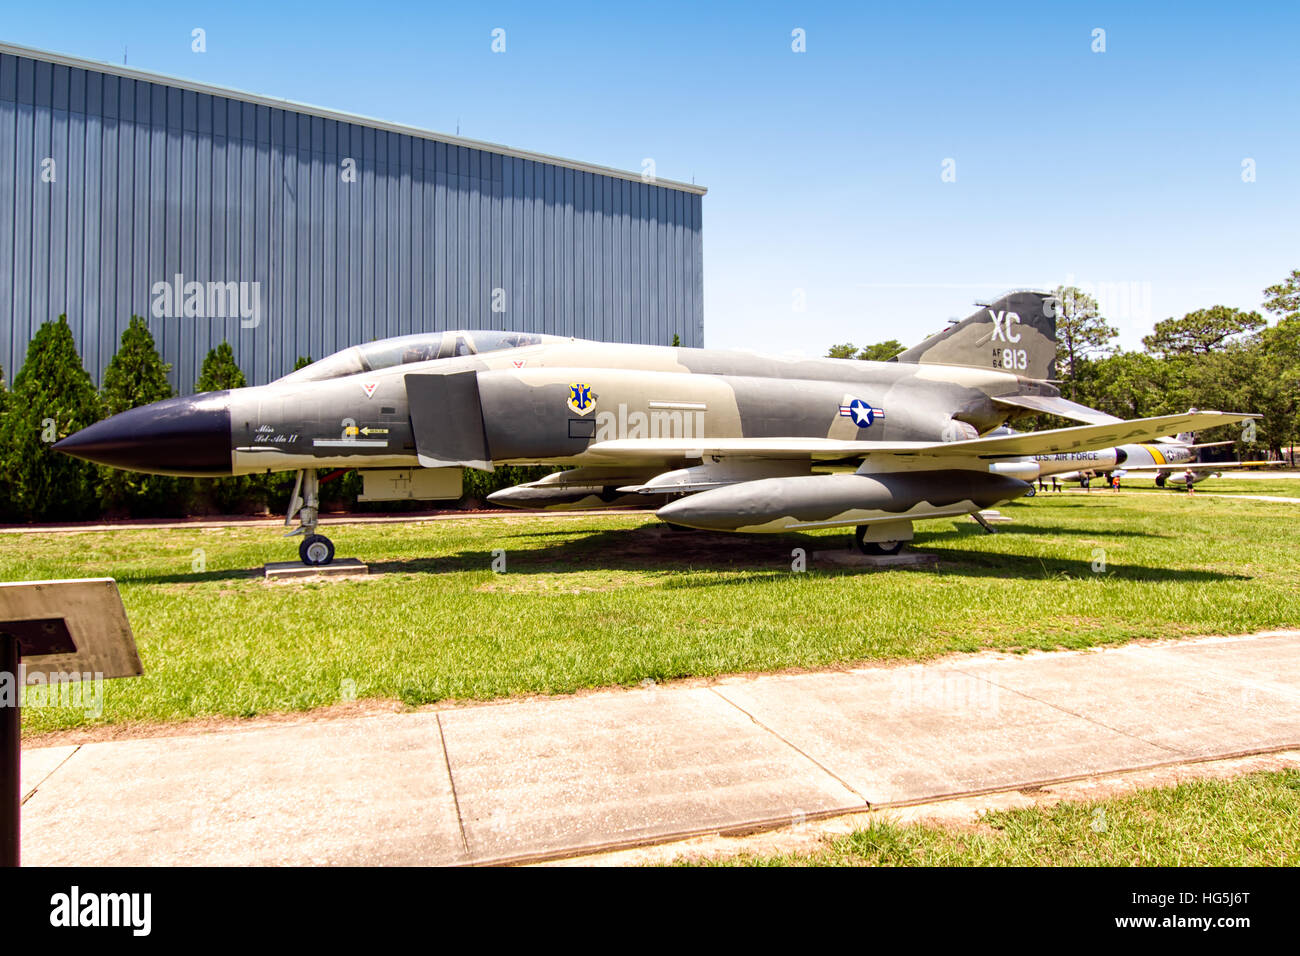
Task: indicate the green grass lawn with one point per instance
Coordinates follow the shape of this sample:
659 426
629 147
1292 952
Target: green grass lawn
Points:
614 600
1253 820
1283 487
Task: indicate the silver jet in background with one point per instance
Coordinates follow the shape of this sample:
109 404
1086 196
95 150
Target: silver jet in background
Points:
1170 461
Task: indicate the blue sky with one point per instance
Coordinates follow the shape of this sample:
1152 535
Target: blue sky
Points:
1118 170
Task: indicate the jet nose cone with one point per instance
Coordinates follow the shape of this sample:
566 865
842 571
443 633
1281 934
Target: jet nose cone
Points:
189 435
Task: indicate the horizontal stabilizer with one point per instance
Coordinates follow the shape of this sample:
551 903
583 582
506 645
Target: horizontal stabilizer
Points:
1061 407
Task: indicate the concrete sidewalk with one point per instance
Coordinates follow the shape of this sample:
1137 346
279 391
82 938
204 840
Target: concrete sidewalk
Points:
532 779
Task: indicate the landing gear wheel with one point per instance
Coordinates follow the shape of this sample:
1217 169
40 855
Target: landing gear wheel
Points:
316 549
875 547
1031 492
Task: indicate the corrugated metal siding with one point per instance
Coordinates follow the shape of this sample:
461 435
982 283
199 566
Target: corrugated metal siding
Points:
153 180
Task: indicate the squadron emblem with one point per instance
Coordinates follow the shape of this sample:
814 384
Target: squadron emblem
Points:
581 400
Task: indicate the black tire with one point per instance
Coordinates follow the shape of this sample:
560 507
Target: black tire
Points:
1031 492
877 548
316 550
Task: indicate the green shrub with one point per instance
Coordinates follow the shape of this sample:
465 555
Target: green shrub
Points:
220 371
52 398
243 493
479 484
137 376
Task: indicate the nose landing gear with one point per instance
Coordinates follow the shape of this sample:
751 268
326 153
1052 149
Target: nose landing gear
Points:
314 549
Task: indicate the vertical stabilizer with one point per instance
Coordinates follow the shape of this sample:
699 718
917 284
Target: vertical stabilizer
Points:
1016 333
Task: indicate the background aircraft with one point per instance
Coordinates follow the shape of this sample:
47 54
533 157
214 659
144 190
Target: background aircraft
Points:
721 440
1170 461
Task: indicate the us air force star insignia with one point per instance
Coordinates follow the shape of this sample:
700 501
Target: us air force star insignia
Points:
862 414
581 400
369 388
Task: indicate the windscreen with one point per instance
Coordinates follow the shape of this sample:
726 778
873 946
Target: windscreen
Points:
404 349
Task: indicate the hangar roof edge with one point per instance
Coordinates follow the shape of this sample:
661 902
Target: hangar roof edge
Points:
149 76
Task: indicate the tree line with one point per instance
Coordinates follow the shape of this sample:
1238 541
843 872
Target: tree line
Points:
1216 357
53 396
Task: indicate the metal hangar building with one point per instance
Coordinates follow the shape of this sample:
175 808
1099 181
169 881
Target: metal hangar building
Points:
290 230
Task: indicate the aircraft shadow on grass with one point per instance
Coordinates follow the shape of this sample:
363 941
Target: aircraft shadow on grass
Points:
656 547
1045 530
660 548
195 577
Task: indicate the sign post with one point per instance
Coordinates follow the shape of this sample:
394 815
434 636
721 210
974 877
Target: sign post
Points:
11 796
55 632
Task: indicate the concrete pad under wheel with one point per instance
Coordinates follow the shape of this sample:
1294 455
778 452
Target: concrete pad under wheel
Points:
339 567
855 559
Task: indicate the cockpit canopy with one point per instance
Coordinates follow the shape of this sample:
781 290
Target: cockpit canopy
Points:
421 347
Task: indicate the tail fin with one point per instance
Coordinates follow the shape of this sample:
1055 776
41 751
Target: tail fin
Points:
1016 333
1189 439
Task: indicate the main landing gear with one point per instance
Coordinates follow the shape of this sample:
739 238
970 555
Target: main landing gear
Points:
877 548
314 549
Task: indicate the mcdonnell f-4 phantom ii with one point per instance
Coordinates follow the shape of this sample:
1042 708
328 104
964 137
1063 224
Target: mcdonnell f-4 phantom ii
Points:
718 440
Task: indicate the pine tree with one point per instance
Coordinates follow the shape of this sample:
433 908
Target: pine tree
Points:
136 376
1082 334
303 362
220 371
52 398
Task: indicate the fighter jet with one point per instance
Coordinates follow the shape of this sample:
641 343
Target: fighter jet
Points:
719 440
1170 461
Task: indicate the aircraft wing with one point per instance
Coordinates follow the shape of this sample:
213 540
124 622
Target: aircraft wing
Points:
1061 407
1080 438
819 449
1198 466
1092 437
